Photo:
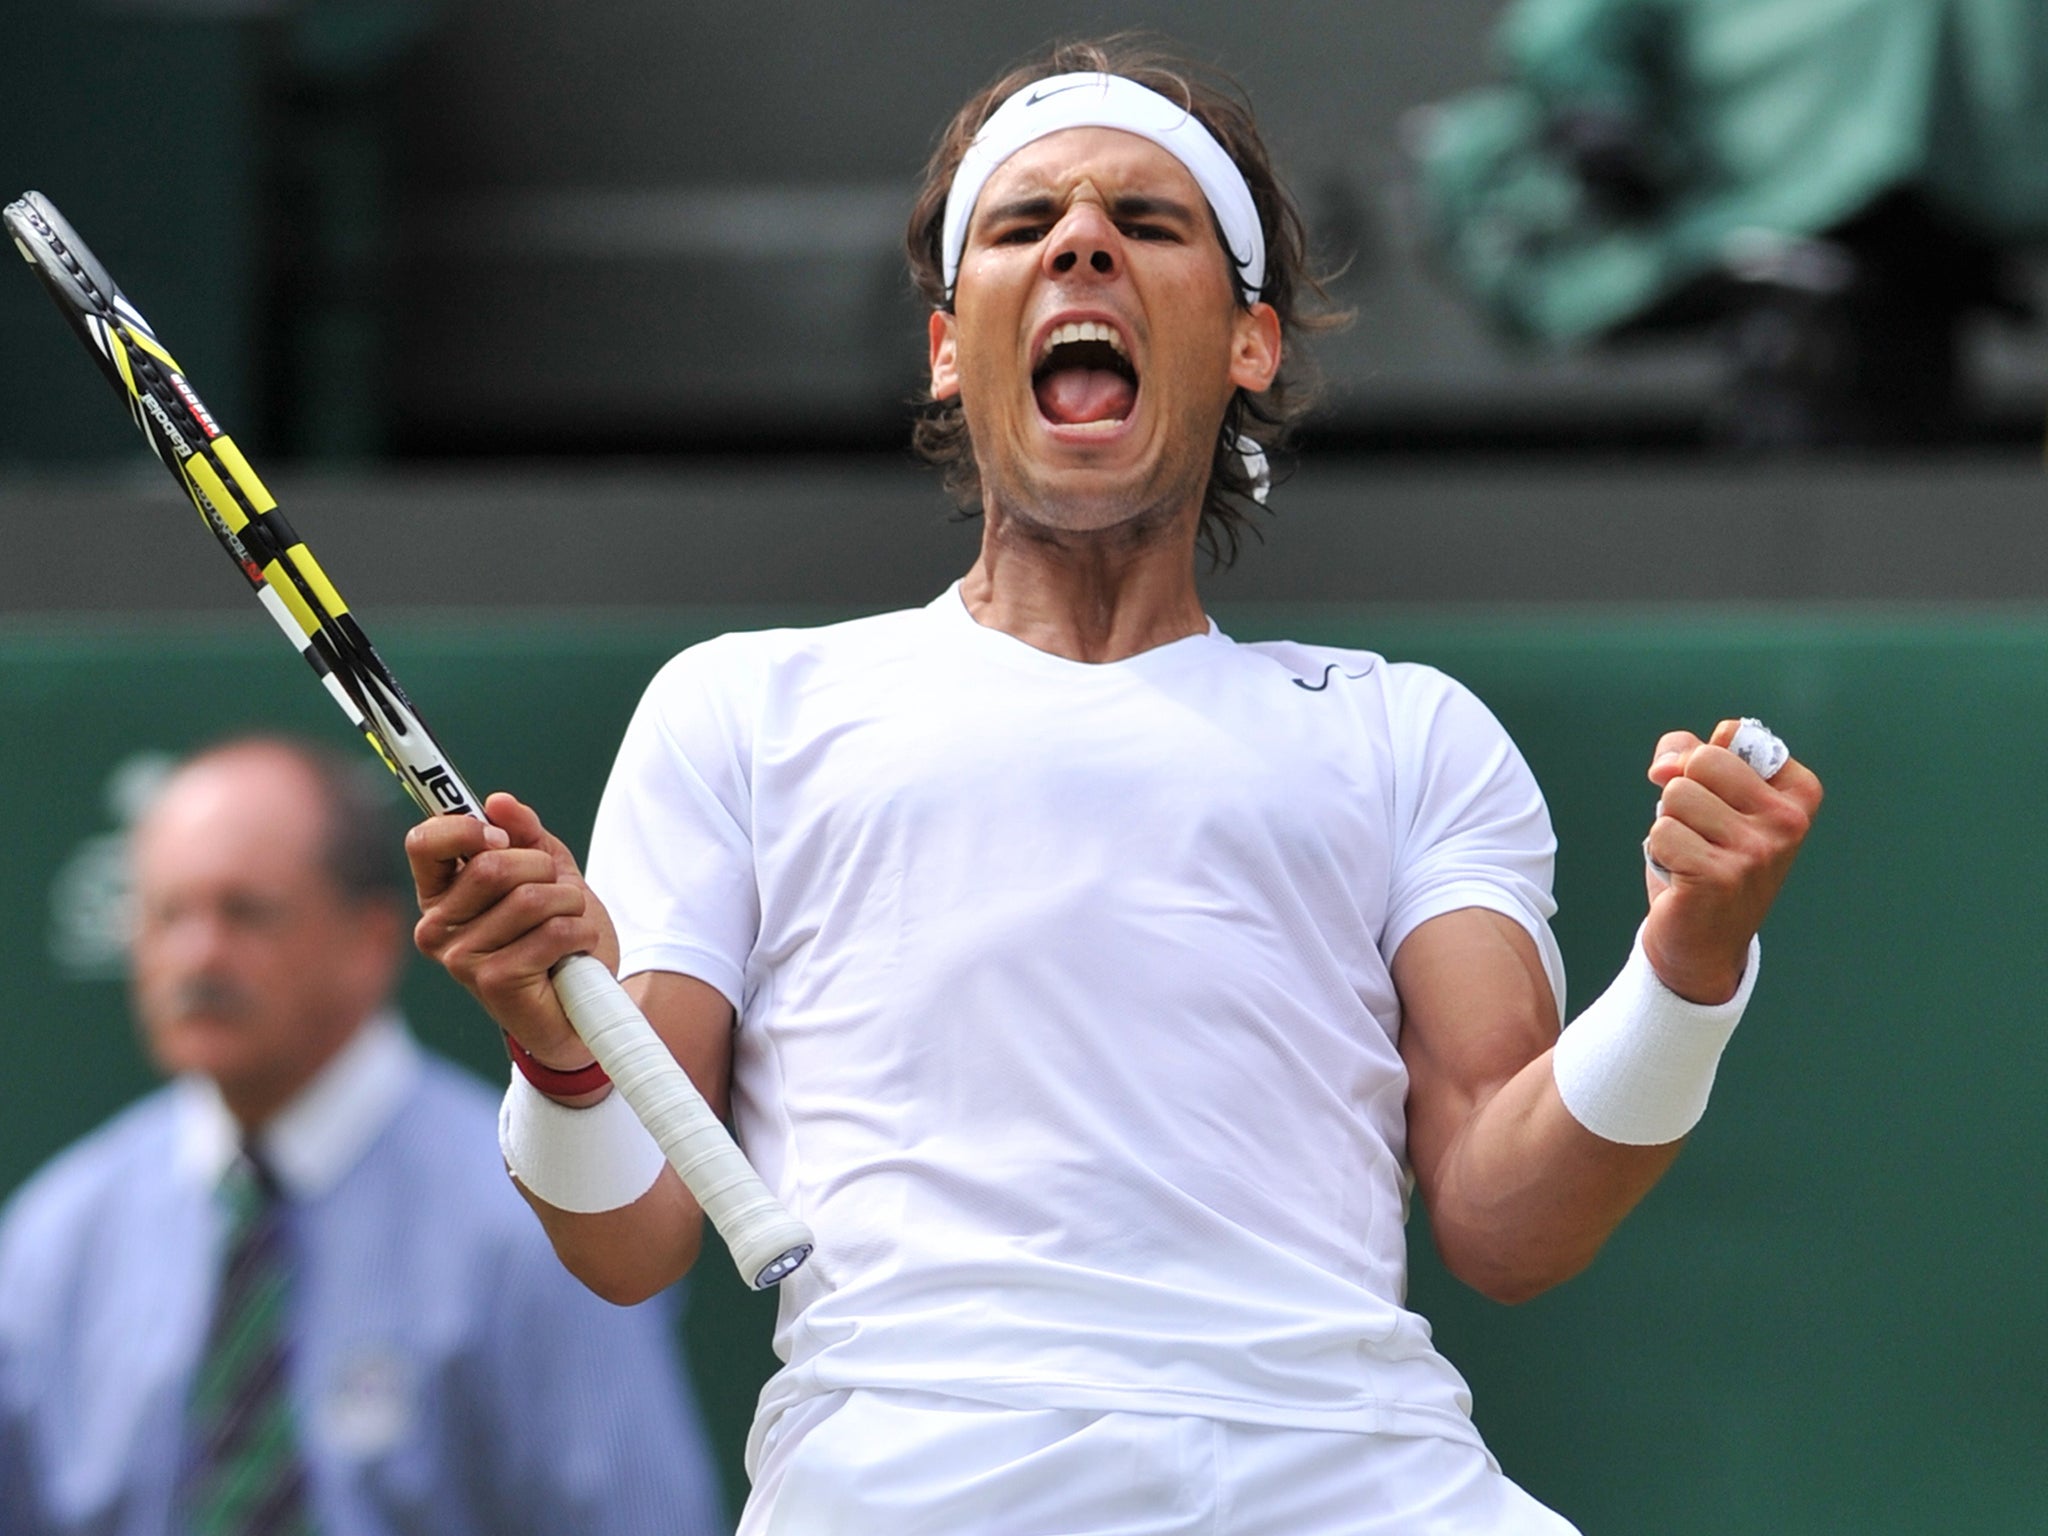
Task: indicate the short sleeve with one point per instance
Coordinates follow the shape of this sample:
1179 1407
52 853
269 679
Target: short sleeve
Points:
1470 825
671 853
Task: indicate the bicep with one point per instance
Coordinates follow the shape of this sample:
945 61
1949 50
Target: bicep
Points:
1476 1008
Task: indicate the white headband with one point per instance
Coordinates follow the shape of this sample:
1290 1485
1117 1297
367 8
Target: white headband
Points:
1109 101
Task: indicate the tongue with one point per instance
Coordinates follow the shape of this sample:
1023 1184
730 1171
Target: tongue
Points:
1085 394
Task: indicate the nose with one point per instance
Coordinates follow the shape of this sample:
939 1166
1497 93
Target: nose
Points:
1084 241
193 940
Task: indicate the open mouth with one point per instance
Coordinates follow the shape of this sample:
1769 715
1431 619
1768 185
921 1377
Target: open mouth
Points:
1084 375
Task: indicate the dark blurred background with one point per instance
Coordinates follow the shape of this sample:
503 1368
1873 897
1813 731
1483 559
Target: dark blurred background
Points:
1697 366
465 267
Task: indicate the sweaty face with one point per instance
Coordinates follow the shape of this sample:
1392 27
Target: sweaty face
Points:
1096 337
249 965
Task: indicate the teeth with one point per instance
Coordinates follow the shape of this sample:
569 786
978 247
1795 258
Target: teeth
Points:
1084 330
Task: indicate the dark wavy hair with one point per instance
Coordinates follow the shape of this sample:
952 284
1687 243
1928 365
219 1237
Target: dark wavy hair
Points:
1268 418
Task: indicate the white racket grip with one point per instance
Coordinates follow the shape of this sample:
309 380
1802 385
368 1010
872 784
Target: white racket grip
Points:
767 1243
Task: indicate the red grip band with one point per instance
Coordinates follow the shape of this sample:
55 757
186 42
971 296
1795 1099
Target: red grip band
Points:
552 1080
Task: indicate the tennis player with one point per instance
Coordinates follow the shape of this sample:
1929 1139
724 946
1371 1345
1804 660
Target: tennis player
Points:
1094 984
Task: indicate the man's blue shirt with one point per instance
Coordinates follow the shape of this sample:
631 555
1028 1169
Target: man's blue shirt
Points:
449 1376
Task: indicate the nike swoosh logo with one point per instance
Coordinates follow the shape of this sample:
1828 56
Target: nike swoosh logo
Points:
1304 683
1037 96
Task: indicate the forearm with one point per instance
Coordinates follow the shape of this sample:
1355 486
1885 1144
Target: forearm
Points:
1529 1148
618 1216
1544 1168
632 1252
1526 1195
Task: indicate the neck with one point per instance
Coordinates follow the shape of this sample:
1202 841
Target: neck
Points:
1090 596
255 1099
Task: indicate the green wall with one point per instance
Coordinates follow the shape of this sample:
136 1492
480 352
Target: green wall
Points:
1827 1319
140 124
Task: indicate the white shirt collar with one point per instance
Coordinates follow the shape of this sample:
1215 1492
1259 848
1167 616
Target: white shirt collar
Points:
321 1134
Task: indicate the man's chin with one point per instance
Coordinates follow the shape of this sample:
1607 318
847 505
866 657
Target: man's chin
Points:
1080 522
1091 506
208 1047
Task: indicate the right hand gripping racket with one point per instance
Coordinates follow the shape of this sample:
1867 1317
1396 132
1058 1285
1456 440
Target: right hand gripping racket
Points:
766 1241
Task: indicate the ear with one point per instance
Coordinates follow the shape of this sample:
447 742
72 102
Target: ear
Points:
377 929
1255 348
945 360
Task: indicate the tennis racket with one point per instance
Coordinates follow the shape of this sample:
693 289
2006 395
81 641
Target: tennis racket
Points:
767 1243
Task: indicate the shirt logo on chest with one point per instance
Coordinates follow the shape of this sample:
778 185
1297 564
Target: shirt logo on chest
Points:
1309 687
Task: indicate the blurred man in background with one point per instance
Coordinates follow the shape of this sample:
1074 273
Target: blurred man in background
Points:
1091 983
293 1290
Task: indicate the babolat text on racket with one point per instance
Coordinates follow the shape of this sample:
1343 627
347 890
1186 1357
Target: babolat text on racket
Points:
766 1241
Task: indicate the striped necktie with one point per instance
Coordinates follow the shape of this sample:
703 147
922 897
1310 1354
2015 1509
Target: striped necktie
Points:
246 1477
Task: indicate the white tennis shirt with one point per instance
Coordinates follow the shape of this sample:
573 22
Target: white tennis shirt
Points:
1064 1009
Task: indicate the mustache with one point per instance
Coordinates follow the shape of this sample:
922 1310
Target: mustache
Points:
206 996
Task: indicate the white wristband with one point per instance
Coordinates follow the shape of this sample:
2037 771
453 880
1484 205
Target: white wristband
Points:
583 1160
1637 1065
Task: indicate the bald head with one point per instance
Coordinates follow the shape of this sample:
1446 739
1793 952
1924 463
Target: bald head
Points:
264 936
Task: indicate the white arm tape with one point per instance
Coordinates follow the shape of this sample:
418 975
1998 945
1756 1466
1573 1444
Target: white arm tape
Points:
1637 1065
583 1160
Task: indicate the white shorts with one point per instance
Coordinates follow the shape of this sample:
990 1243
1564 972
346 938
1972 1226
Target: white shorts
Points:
912 1464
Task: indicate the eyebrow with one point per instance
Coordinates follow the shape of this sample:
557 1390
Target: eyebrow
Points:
1130 205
